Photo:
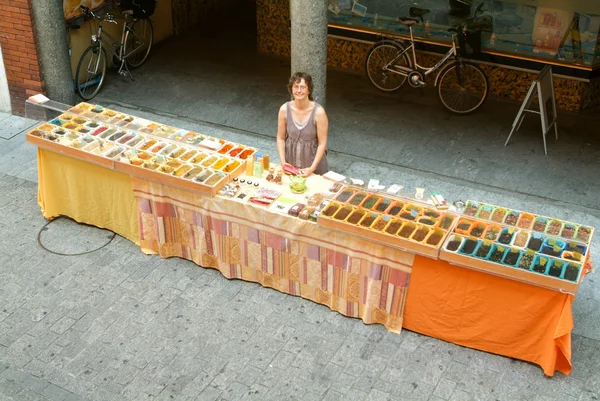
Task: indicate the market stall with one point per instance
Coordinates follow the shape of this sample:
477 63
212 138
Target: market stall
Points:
490 278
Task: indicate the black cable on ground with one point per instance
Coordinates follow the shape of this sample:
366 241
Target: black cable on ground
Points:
39 241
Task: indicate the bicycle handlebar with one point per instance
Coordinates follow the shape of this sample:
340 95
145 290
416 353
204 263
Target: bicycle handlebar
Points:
108 17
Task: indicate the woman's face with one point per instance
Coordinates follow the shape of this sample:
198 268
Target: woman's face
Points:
300 90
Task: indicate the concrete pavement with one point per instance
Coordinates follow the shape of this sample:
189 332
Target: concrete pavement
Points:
115 324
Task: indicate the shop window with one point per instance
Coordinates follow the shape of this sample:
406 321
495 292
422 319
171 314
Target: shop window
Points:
565 31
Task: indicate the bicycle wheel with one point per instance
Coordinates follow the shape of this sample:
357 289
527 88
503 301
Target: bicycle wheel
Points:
90 73
378 62
462 87
138 41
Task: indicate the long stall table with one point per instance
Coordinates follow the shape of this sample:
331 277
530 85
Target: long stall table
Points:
353 276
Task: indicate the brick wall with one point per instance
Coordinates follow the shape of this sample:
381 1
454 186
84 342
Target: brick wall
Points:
20 52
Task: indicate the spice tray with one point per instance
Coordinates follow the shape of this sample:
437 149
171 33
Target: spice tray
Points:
166 176
388 230
44 138
514 263
567 231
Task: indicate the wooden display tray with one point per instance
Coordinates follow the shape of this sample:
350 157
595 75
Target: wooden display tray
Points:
513 273
134 170
588 243
171 180
69 151
383 238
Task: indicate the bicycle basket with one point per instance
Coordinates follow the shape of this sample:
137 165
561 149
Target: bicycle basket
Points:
140 8
469 42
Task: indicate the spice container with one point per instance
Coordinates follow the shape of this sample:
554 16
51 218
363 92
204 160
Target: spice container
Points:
483 249
511 258
468 246
343 213
471 209
182 170
497 254
535 242
382 205
344 195
521 239
420 234
369 219
370 201
492 232
583 234
407 230
380 223
506 236
525 221
484 212
357 198
512 218
554 227
463 226
396 208
454 242
435 237
193 172
539 224
446 221
356 216
477 230
393 226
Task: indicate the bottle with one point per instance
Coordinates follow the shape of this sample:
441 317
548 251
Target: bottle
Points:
258 168
271 174
250 165
266 162
258 163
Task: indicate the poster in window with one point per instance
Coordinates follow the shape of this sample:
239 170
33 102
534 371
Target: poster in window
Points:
549 28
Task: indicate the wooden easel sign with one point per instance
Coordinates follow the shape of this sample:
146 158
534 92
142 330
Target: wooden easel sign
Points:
544 85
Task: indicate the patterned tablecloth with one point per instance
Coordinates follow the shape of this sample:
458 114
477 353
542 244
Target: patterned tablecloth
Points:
350 275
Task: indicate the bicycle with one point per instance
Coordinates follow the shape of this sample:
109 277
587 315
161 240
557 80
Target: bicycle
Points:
131 52
462 85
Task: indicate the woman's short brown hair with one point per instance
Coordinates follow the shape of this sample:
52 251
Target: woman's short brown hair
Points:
296 78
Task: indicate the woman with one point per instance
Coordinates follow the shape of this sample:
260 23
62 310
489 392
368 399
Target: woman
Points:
302 129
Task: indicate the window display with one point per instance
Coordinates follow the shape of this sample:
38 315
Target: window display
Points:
559 30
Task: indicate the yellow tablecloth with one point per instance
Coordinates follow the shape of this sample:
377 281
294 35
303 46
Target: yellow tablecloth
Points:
87 193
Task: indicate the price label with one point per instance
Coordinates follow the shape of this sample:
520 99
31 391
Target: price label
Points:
543 261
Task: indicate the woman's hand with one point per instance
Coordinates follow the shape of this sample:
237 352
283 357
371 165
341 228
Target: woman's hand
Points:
305 172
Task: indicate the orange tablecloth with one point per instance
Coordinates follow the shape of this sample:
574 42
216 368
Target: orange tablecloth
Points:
452 303
490 313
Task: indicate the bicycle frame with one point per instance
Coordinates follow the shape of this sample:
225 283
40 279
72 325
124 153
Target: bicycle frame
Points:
99 39
426 70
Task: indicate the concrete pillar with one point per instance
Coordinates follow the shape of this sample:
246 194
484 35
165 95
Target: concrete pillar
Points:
4 93
309 42
51 31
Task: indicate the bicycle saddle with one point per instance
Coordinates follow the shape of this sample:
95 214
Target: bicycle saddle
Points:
127 12
418 12
408 21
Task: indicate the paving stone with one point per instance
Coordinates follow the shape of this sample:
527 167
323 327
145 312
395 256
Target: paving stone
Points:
444 389
54 393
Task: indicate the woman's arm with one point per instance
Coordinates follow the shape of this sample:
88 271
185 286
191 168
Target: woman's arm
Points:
322 128
281 133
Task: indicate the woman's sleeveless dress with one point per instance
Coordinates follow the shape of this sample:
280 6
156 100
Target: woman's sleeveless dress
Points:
301 142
